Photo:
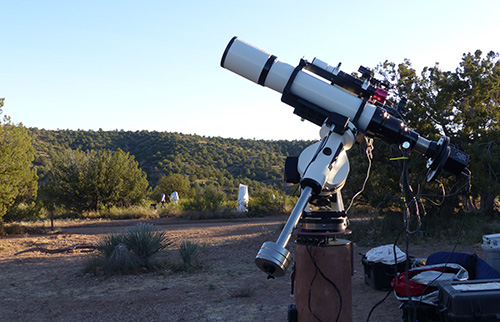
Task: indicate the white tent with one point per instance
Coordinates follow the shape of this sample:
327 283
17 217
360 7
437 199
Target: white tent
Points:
243 198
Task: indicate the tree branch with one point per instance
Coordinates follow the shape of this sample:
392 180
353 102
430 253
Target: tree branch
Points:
58 250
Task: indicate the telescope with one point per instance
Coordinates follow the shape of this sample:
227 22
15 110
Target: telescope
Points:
347 108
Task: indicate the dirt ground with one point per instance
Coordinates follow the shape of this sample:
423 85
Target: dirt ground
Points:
35 286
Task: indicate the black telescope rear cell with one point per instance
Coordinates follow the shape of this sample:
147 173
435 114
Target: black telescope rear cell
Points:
390 129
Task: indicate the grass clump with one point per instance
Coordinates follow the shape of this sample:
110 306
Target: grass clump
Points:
242 292
122 260
145 241
190 255
132 212
11 229
129 252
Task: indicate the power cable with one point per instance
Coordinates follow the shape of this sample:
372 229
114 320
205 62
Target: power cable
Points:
369 156
318 270
395 274
468 185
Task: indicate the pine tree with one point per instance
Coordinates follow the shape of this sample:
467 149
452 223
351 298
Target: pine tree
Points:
170 183
18 179
94 180
463 105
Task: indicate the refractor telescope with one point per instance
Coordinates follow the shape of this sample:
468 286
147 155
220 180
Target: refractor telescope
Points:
335 94
346 108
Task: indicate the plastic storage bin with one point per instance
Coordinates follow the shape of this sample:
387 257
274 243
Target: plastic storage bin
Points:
378 275
491 241
474 300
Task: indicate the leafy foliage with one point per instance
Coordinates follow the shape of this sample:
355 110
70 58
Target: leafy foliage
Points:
18 178
203 160
206 199
170 183
173 161
463 105
267 203
95 180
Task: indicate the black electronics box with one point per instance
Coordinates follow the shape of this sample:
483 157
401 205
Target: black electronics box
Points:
379 276
424 312
474 300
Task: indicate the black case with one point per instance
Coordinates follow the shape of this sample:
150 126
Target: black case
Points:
379 276
476 305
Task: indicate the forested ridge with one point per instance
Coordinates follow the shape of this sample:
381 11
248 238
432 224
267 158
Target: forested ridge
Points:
225 161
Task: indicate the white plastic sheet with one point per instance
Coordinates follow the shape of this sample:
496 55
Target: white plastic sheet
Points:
174 197
477 287
432 297
243 198
385 255
432 277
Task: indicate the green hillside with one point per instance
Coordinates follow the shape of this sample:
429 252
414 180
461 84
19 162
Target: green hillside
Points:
227 162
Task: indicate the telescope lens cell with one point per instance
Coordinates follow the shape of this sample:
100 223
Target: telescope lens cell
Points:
244 59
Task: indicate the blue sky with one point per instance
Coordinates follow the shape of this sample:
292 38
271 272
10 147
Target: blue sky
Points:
155 65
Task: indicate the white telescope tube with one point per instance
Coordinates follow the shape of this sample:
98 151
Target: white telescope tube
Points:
267 70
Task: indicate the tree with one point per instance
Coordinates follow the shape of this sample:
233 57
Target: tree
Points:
167 184
476 122
463 105
94 180
18 179
210 198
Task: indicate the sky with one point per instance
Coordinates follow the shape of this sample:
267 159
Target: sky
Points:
155 65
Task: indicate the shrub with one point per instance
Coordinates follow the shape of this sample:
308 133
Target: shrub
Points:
145 241
107 244
94 265
24 210
122 260
209 199
130 251
472 225
267 203
170 209
190 252
11 229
